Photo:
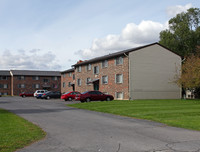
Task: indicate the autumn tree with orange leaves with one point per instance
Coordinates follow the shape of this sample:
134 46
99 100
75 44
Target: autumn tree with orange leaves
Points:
190 77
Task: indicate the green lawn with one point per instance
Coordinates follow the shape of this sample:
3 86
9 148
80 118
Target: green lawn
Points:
16 132
179 113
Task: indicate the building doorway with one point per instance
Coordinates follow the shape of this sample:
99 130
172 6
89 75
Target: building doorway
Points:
96 85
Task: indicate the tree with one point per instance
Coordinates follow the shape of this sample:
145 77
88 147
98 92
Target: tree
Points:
183 35
190 77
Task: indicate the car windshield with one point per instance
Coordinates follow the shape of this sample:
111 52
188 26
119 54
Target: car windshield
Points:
66 92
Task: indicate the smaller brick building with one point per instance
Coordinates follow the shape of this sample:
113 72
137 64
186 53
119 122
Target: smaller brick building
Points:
14 82
29 81
5 82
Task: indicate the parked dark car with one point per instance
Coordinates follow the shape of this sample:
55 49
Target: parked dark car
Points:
26 94
51 94
94 96
69 96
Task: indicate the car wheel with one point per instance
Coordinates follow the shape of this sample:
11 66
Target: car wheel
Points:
70 99
65 99
108 99
82 101
88 99
23 96
48 97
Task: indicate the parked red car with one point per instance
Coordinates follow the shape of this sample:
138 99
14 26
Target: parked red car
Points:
26 94
94 96
69 96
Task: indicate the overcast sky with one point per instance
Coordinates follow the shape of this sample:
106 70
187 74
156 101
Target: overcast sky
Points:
55 34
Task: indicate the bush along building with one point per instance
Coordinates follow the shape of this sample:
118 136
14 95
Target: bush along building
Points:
145 72
17 81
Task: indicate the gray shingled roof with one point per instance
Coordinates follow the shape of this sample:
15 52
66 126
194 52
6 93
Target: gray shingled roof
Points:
4 73
113 55
36 73
67 71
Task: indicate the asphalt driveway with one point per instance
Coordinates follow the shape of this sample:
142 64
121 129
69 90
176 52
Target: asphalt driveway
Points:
75 130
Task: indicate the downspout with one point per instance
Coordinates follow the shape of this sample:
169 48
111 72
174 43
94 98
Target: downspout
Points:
11 84
128 76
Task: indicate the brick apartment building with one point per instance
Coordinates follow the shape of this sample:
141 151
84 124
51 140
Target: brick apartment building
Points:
18 81
145 72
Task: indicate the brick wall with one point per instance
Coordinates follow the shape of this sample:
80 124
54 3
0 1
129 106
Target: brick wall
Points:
55 85
7 90
112 87
67 78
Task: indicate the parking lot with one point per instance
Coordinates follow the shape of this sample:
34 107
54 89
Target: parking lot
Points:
75 130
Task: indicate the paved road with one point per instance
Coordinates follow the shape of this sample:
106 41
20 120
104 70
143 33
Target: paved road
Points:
74 130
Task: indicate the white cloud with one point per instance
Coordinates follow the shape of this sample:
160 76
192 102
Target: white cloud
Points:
173 10
33 60
131 36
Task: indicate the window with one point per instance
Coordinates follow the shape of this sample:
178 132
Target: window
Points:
104 64
36 86
88 67
105 79
69 84
79 82
45 80
21 77
4 86
79 69
64 75
69 74
35 78
119 95
55 78
96 70
119 78
3 78
119 60
21 85
63 84
88 80
73 76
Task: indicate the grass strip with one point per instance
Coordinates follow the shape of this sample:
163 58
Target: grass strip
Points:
16 132
178 113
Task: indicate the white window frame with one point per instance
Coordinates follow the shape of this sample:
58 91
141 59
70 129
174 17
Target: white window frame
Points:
63 85
119 60
88 67
104 64
21 85
102 79
122 95
79 82
5 86
116 75
36 86
55 78
21 77
79 69
97 70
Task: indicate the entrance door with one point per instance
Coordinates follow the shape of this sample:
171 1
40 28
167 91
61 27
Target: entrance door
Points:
96 85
